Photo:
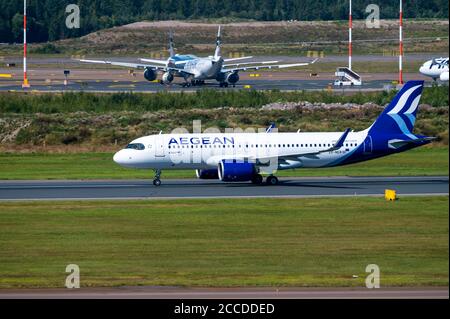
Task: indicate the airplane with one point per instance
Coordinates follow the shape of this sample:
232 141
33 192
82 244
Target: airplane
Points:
195 70
436 69
244 157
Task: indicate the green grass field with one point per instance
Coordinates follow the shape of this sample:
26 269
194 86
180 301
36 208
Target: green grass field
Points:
226 242
422 161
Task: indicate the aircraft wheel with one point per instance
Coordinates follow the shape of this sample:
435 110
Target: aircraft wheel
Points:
257 179
225 84
157 182
272 180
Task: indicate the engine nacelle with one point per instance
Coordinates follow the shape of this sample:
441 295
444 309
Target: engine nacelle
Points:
444 76
232 78
167 78
236 171
150 74
207 174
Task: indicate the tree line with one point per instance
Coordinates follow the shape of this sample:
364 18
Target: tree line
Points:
47 18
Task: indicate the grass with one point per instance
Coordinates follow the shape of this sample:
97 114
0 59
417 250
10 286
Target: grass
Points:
238 242
422 161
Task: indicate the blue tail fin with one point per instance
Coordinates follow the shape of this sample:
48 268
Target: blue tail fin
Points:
399 116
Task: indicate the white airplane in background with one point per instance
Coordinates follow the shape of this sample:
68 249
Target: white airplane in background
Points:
436 69
195 70
239 157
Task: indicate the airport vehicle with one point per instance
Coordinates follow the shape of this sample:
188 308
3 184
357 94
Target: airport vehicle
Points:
436 69
347 77
240 157
195 70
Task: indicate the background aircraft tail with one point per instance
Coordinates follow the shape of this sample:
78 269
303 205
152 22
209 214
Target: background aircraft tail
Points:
399 117
217 53
171 48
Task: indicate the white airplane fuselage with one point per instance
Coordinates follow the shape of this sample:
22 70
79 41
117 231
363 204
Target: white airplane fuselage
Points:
205 151
436 69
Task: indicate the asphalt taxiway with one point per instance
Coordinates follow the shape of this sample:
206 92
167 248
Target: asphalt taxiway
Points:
226 293
193 188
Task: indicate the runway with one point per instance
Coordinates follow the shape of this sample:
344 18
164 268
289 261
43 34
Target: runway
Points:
110 86
226 293
193 188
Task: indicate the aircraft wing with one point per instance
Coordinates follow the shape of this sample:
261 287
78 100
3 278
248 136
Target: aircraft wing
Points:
154 61
248 63
293 157
138 65
237 59
270 66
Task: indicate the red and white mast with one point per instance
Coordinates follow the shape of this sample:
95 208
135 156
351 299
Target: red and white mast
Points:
350 25
400 55
25 83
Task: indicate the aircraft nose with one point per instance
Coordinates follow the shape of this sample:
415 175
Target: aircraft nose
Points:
120 158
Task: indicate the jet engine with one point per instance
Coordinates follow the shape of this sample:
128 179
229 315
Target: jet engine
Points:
232 78
167 78
444 76
207 174
236 171
150 74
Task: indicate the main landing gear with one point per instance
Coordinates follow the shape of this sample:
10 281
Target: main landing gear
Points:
156 180
272 180
258 180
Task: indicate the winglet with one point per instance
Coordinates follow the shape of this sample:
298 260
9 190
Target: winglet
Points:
270 128
341 140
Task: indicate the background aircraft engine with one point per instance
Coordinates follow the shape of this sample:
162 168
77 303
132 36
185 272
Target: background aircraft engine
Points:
207 174
167 78
236 172
232 78
150 74
444 76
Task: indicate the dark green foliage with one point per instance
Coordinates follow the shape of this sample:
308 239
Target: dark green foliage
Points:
46 18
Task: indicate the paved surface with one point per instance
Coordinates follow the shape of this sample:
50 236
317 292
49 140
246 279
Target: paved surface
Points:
227 293
111 86
189 188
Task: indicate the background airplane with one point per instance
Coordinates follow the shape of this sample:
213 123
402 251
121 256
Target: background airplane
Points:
195 70
238 157
436 69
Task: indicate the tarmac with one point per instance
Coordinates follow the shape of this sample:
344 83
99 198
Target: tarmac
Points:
192 188
226 293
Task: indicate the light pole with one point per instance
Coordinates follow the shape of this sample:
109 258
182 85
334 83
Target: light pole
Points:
25 83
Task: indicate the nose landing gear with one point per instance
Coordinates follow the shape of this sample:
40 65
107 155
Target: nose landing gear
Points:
156 180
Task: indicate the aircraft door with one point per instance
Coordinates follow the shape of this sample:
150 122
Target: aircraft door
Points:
159 146
368 146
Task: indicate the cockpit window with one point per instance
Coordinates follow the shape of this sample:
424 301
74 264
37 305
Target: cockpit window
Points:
136 146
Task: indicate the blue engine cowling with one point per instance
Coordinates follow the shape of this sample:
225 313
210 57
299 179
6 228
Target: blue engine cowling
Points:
207 174
150 74
236 171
